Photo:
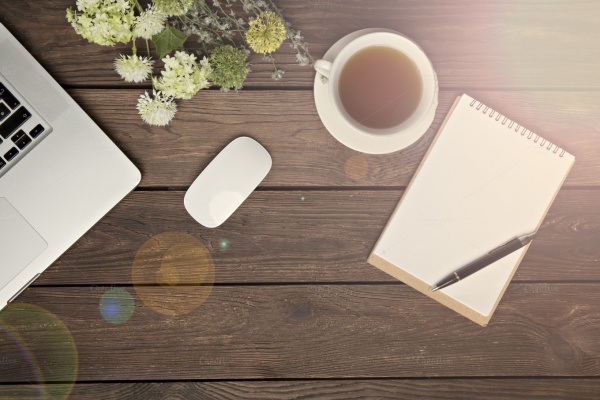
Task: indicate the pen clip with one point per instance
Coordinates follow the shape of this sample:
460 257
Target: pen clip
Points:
502 245
520 238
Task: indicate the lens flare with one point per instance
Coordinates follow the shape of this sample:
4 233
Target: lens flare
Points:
173 273
224 244
549 49
117 306
36 347
356 167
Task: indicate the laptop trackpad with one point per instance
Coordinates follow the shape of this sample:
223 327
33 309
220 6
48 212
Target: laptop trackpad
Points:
20 244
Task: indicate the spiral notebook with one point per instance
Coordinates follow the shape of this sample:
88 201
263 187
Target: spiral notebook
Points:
485 180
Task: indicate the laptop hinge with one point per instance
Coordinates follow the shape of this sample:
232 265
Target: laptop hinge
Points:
24 287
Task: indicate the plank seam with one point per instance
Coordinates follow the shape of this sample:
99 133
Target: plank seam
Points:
323 188
354 378
304 283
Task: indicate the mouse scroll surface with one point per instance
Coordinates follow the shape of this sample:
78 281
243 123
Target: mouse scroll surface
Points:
227 181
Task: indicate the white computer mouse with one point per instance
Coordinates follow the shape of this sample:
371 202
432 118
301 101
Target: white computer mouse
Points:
227 181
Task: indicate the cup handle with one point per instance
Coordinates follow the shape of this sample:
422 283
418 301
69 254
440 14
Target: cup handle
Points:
323 67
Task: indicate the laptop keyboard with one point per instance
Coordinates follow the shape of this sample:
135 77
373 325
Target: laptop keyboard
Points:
21 128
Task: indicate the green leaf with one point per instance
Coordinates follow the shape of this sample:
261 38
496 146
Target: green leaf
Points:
168 40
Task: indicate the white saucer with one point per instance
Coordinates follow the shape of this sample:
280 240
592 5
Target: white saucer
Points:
343 131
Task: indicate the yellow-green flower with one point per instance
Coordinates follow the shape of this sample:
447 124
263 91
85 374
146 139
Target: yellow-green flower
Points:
105 22
266 33
173 7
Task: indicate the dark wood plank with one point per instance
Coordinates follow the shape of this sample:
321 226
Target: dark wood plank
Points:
530 59
443 389
278 237
304 153
303 331
515 44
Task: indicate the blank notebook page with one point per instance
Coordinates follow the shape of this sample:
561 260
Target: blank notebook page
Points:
485 181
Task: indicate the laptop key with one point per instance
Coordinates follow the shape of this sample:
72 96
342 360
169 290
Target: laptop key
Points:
17 136
8 97
2 163
4 111
12 153
14 121
37 131
24 142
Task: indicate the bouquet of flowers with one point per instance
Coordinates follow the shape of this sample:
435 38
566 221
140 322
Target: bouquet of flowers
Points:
227 31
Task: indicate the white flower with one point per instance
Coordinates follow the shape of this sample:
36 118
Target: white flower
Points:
204 36
149 23
277 74
183 77
302 59
134 68
156 110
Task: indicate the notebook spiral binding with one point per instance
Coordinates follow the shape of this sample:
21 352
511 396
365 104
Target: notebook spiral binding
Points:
509 123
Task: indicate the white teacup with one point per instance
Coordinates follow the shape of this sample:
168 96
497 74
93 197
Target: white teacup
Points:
395 41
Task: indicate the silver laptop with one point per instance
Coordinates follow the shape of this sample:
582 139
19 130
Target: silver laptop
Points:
59 173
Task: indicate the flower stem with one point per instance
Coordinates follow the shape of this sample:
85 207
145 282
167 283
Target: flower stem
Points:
148 48
275 7
138 6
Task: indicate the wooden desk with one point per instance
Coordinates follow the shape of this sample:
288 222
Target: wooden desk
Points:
295 310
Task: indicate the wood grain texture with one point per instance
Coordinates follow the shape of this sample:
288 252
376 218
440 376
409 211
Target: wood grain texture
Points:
327 237
309 331
304 153
289 302
440 389
486 44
